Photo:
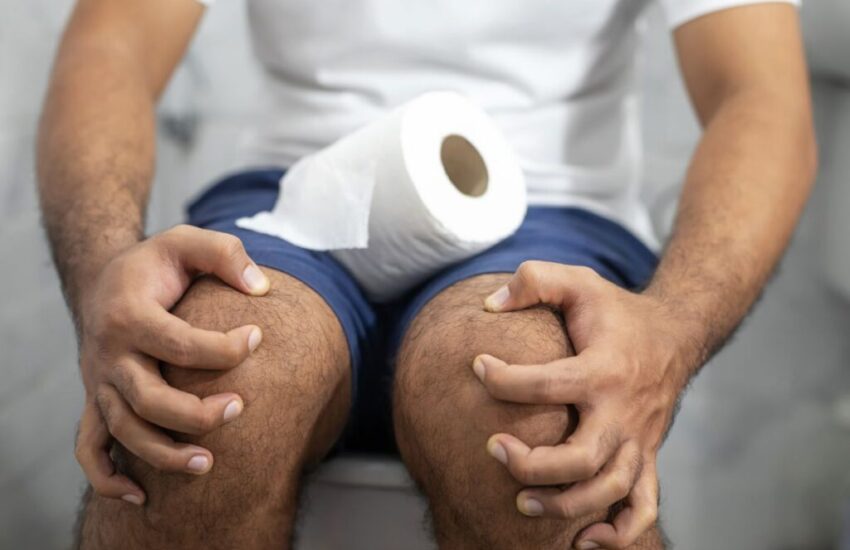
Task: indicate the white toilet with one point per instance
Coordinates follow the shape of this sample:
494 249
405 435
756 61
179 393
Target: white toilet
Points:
362 503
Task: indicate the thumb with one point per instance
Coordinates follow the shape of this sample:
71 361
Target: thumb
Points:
219 254
537 283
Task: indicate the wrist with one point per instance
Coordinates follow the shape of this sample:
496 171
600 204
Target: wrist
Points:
685 327
79 281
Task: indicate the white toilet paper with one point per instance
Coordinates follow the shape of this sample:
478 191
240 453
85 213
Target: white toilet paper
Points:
432 183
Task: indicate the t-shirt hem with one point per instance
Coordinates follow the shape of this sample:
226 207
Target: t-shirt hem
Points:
688 11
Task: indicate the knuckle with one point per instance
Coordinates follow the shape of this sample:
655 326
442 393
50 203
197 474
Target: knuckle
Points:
231 352
231 248
160 461
651 516
98 351
108 322
543 389
204 421
589 278
167 460
113 319
180 350
113 416
100 488
647 515
527 472
81 453
565 508
529 271
585 272
586 462
179 230
620 484
118 428
495 381
124 379
104 403
145 404
170 238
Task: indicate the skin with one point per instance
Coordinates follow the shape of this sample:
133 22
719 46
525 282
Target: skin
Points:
444 416
745 190
95 165
296 391
746 186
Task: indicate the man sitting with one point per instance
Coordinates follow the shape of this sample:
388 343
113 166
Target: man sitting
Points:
528 389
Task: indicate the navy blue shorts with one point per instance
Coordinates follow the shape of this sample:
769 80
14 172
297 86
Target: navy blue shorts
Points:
374 331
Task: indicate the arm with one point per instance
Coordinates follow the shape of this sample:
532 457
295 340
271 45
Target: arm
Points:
747 184
752 172
95 165
97 135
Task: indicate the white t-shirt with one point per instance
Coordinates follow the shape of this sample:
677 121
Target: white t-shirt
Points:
556 75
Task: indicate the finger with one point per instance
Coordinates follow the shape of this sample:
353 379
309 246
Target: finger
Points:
538 282
611 485
579 458
141 385
92 452
173 340
639 515
220 254
145 441
557 383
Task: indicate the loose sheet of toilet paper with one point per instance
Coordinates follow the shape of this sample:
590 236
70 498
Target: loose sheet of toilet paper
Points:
430 184
325 198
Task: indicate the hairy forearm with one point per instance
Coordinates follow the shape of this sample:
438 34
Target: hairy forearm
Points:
95 160
747 184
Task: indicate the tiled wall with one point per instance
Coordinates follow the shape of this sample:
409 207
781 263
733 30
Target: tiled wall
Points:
756 460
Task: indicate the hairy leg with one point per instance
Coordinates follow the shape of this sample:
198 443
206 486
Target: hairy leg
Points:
296 390
444 416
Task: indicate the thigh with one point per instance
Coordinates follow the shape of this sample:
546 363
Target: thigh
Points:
296 391
444 417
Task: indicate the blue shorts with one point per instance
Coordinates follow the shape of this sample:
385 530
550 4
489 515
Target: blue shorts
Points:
374 331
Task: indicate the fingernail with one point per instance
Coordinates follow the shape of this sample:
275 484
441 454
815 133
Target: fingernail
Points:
232 410
255 338
198 464
587 545
531 507
479 368
497 451
255 279
495 301
132 499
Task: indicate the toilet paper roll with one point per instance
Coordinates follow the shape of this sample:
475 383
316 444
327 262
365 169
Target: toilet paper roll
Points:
430 184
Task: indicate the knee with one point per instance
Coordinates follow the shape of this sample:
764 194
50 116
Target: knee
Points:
444 415
302 361
526 337
293 386
435 364
295 393
298 329
532 336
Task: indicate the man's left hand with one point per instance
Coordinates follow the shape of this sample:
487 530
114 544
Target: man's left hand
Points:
634 354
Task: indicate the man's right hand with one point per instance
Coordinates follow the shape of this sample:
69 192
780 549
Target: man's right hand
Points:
126 329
